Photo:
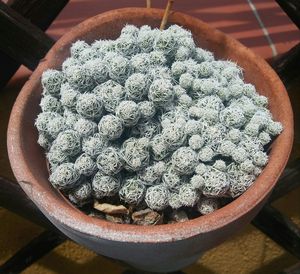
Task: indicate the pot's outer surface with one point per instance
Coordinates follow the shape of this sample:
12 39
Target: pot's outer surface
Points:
163 247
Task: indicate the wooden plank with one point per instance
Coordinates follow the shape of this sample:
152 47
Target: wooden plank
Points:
279 228
20 39
40 13
35 250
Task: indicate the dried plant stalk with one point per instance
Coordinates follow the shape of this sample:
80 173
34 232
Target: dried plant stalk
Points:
166 14
148 4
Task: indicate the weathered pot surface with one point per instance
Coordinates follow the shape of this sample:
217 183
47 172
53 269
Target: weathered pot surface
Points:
163 247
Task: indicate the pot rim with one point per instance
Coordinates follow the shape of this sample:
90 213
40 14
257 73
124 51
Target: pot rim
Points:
62 212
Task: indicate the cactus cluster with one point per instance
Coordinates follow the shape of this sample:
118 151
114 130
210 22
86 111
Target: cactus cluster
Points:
150 118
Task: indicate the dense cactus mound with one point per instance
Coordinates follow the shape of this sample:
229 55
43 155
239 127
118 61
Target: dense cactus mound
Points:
152 120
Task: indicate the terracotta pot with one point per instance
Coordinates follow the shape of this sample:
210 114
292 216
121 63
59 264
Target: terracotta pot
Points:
163 247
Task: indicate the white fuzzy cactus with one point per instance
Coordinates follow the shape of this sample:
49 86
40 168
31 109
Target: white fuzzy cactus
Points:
135 153
146 38
89 106
56 157
188 195
147 109
111 127
151 119
157 197
132 191
85 165
42 120
109 161
105 185
69 142
197 181
110 94
186 80
64 176
78 47
206 154
216 184
207 205
151 174
184 160
165 42
55 126
52 81
173 136
196 142
85 127
136 86
178 68
68 96
119 68
50 103
93 145
161 92
79 78
44 141
174 200
140 62
81 195
128 112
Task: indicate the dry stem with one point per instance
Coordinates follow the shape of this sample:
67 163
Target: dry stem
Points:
166 14
148 4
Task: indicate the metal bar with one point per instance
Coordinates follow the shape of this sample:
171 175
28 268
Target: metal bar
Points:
35 250
287 65
20 39
132 271
13 198
295 269
279 228
40 13
292 9
289 181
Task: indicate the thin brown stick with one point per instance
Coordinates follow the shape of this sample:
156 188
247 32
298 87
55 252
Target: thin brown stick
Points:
148 4
166 14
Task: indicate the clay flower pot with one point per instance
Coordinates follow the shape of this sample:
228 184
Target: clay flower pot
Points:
165 247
